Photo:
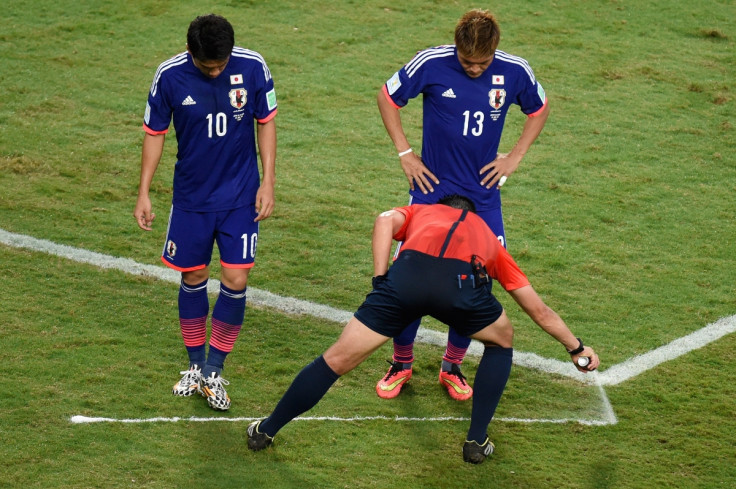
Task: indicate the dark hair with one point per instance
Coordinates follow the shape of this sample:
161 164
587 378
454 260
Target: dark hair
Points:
477 34
210 38
458 202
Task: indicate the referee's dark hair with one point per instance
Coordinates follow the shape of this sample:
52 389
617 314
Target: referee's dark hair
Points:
458 202
210 38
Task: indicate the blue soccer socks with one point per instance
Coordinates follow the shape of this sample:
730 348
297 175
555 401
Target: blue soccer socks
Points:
193 310
308 387
490 381
227 320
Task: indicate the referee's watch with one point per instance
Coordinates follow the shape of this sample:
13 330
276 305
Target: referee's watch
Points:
577 350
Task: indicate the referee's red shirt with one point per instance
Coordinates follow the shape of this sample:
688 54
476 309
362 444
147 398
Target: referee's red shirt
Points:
426 229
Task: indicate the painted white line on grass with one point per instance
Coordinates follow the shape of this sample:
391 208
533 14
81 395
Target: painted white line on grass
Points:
647 361
286 304
524 359
609 415
91 420
612 376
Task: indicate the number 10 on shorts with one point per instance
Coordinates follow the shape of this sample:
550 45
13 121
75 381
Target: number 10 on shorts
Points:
250 241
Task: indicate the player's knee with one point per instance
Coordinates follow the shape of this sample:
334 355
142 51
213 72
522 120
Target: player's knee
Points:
503 337
235 278
499 333
339 362
194 277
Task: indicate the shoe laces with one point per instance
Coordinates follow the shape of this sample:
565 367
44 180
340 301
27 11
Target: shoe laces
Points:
216 382
396 367
455 370
191 375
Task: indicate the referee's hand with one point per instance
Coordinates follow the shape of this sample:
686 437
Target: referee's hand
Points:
586 361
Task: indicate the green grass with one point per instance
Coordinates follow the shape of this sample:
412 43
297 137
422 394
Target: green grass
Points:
622 214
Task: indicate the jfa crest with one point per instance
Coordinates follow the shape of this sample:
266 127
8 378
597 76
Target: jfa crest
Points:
238 97
497 97
171 249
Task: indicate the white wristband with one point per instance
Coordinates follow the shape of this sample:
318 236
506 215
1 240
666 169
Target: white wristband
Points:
404 153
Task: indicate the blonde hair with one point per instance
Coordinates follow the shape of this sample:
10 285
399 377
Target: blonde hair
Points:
477 34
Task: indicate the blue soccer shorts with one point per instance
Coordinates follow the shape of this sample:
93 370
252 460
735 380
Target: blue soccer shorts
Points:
191 236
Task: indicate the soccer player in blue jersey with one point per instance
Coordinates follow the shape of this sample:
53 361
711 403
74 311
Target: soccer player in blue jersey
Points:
467 91
219 96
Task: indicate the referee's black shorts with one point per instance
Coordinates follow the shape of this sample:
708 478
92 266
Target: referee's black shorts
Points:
419 285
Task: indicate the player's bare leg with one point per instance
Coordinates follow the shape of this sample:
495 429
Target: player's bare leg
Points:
356 343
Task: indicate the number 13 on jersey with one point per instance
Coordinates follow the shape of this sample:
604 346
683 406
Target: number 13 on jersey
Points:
477 123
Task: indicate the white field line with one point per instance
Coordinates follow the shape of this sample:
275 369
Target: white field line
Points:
90 420
288 305
609 417
612 376
647 361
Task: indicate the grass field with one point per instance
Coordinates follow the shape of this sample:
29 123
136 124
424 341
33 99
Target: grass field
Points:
622 215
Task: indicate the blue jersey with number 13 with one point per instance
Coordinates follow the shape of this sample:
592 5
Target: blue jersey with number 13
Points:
463 117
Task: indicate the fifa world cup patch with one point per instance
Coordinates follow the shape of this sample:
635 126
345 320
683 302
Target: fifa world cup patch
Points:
497 97
271 99
171 249
238 97
393 83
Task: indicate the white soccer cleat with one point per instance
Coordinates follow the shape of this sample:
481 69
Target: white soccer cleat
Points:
189 383
212 388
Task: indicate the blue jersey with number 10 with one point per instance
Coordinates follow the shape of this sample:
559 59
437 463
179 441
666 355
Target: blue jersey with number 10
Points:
217 164
463 117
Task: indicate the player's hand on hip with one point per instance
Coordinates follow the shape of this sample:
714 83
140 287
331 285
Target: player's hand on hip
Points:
417 173
498 170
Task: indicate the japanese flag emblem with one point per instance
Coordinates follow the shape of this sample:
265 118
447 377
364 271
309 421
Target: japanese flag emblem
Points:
236 79
238 97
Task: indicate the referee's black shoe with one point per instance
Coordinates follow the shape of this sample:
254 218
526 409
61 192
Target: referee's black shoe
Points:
473 453
257 440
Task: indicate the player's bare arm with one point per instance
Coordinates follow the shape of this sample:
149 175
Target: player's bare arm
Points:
552 323
153 147
265 197
506 163
411 163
